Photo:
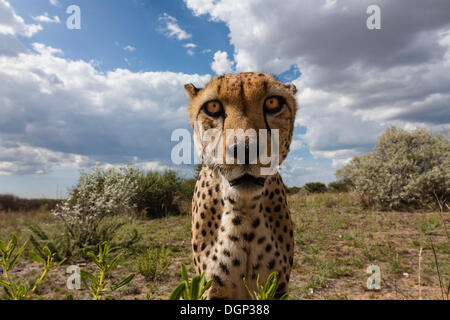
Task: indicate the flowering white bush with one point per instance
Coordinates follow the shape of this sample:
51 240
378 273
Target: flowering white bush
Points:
405 170
99 193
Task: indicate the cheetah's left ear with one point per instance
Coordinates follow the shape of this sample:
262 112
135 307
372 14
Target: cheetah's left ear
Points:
291 88
191 90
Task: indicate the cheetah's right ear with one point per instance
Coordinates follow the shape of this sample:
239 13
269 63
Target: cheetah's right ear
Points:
191 90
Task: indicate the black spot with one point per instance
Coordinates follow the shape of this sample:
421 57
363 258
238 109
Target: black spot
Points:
231 200
203 232
260 257
236 262
236 220
277 208
209 224
213 210
224 268
216 201
285 229
217 188
207 253
280 238
277 254
197 225
271 264
255 223
261 240
277 224
249 236
203 246
218 280
227 253
271 195
288 247
281 287
277 191
222 228
268 248
233 238
202 215
195 247
291 261
203 183
214 257
268 210
203 196
256 266
204 266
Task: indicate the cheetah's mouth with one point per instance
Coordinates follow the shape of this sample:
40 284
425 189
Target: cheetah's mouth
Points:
247 179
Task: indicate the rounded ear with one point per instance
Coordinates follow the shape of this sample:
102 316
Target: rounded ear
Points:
191 90
291 88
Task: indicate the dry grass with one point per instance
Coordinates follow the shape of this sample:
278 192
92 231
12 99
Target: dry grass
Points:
335 241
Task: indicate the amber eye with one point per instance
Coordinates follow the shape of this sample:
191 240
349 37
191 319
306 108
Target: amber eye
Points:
213 108
273 104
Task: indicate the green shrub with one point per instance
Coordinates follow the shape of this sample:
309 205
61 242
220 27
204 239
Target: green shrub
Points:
100 282
268 291
190 290
9 258
99 194
293 190
315 187
156 193
406 170
154 263
340 186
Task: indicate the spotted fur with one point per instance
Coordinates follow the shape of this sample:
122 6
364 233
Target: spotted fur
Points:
242 232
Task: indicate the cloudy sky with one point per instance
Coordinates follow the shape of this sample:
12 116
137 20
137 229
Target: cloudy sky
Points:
112 91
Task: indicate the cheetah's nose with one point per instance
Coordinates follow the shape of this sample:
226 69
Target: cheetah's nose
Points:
244 153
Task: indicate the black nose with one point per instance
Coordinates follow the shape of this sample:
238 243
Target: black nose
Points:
244 154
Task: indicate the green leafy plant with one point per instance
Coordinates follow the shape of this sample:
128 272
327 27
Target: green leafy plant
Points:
193 290
154 263
268 291
9 258
100 281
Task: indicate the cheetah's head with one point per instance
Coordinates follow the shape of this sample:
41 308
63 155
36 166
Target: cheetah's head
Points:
255 101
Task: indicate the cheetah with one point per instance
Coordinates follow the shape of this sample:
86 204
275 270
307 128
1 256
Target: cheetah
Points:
241 224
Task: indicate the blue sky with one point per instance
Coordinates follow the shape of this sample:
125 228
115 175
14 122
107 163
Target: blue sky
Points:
112 92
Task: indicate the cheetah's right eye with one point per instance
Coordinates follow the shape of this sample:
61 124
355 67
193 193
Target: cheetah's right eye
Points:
213 108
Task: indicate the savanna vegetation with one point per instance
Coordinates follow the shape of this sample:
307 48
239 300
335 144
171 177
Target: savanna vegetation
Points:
129 232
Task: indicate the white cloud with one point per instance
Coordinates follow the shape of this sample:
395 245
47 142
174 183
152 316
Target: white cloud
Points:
129 48
19 158
355 82
221 63
12 24
71 109
54 2
46 19
190 45
169 26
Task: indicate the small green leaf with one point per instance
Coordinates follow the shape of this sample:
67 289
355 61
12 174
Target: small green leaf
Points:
35 257
176 294
184 275
123 283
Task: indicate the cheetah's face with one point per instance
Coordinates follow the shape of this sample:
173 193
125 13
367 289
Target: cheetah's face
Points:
242 102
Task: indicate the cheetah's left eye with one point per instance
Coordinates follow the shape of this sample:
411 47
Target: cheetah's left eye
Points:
213 108
273 104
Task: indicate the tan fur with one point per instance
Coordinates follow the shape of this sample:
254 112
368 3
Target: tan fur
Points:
242 233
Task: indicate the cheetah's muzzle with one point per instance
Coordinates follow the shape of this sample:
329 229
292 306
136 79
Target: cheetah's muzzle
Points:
246 180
